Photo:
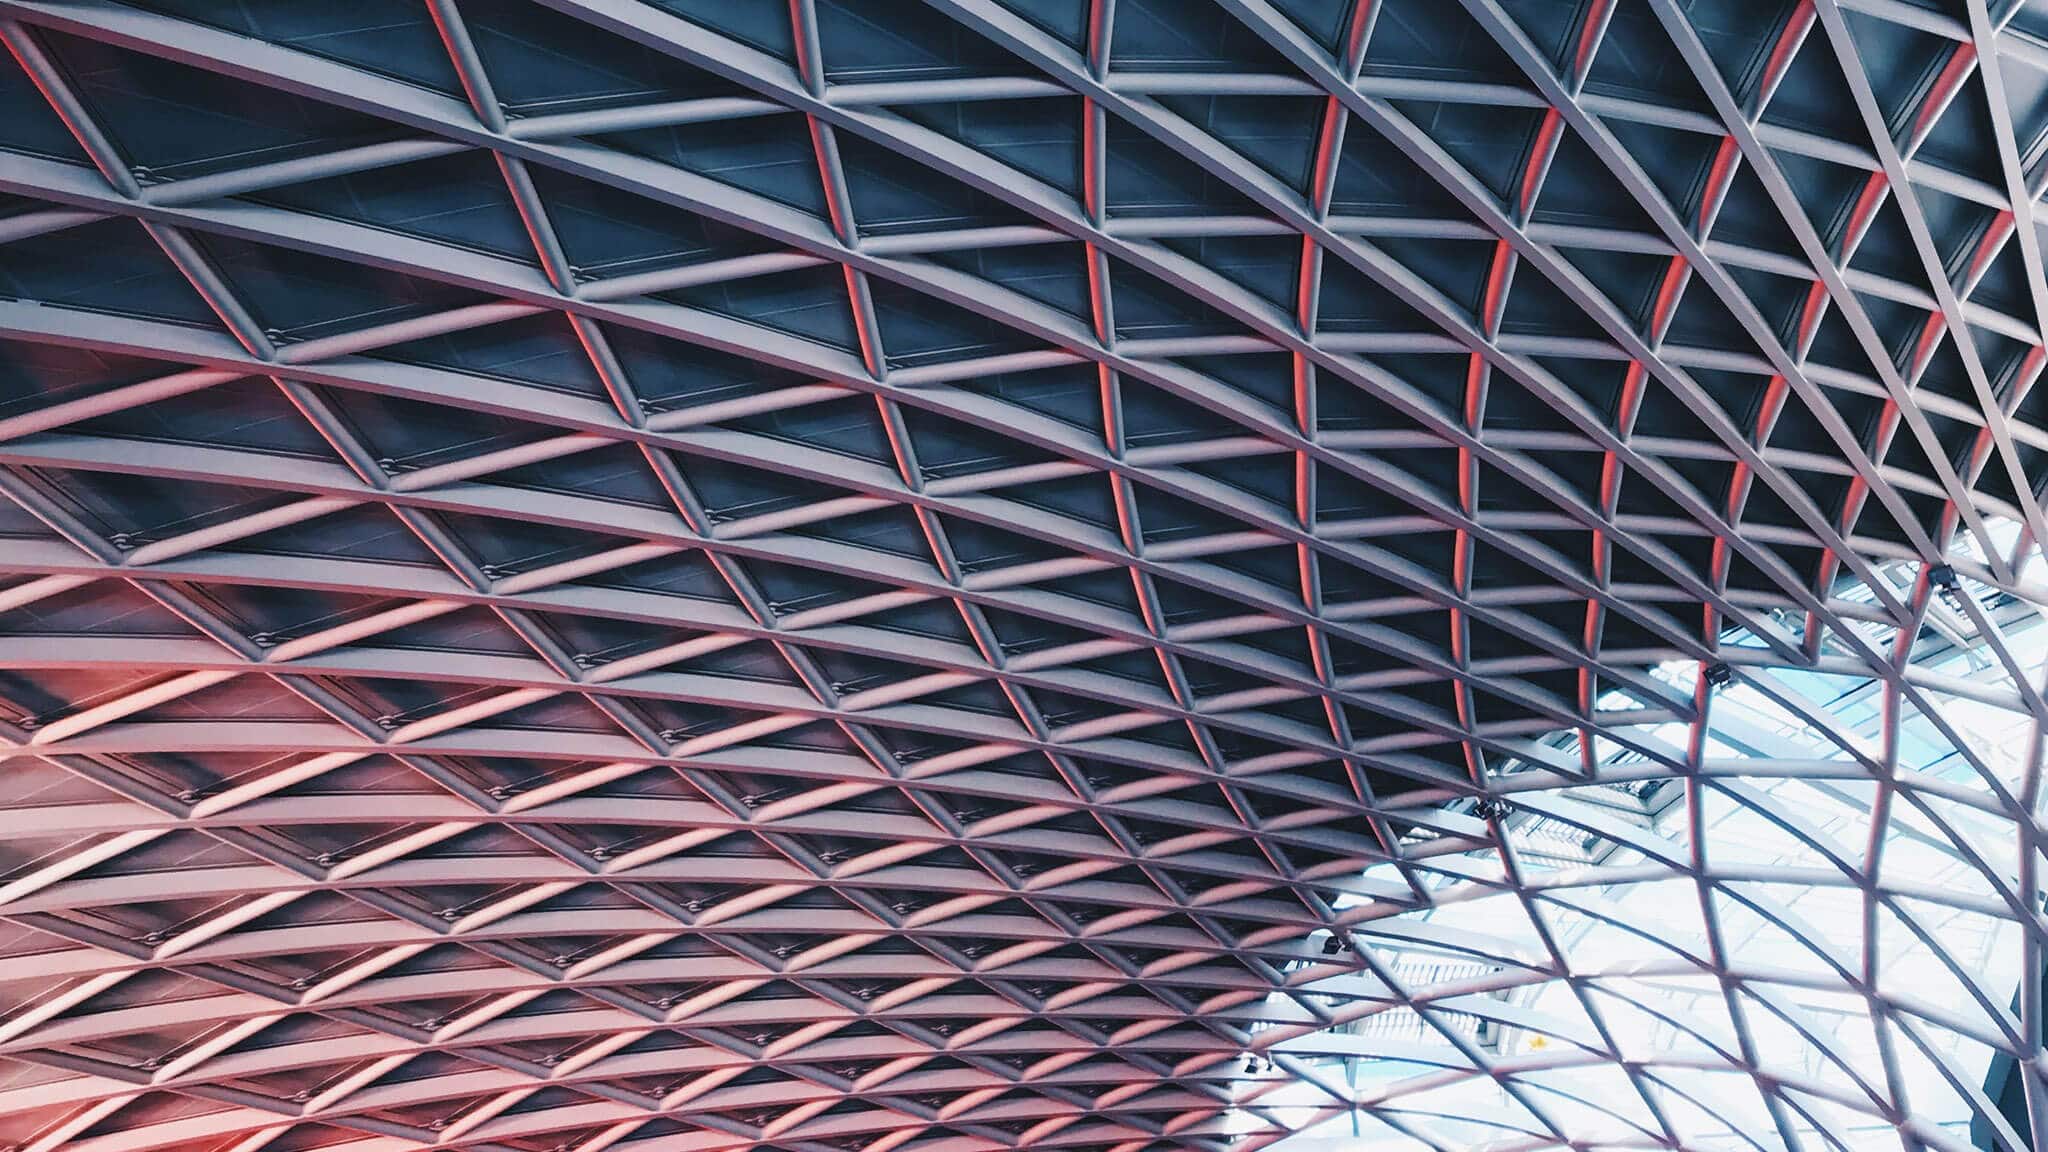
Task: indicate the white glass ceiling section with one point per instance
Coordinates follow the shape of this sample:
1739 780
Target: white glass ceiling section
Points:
984 575
1855 942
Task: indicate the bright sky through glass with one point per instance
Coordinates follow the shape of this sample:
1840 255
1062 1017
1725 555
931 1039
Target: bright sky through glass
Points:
1820 877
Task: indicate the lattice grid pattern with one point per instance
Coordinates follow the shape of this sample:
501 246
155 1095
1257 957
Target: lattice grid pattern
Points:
960 575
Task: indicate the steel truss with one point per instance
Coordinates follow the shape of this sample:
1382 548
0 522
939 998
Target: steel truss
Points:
1101 660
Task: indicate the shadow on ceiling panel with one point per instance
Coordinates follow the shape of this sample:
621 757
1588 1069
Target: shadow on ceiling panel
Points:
406 435
1579 189
102 608
36 376
1276 133
1637 61
1813 96
759 24
540 350
1054 274
899 40
1265 377
394 38
1065 20
1069 393
1421 38
918 330
1039 136
894 530
250 414
891 195
770 156
1269 266
280 612
947 447
459 199
733 491
617 473
688 574
170 121
297 295
110 266
1352 301
31 125
1187 36
670 375
1737 34
1376 178
542 61
809 303
606 231
131 508
365 532
1146 306
1148 178
507 545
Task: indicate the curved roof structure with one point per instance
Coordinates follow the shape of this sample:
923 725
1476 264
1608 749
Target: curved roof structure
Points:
981 575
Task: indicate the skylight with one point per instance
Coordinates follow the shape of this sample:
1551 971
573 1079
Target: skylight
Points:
1836 965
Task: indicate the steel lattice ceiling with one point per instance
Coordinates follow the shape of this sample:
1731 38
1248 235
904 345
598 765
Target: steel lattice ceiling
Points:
960 575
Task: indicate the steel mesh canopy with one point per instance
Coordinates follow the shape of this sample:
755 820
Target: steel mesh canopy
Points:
967 575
